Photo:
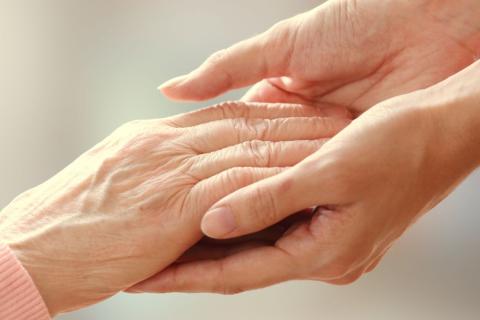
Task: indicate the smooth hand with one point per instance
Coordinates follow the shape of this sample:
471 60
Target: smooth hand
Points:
370 183
345 52
132 205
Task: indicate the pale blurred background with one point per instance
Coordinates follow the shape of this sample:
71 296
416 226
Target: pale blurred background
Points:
72 71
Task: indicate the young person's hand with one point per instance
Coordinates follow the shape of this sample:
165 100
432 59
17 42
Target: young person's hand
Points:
345 52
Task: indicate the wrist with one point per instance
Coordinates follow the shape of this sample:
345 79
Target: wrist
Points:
16 238
38 279
19 296
456 113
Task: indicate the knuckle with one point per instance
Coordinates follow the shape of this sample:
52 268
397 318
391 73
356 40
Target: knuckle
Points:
230 177
238 127
281 30
218 57
259 151
250 129
219 63
265 208
260 128
229 109
236 177
236 108
282 34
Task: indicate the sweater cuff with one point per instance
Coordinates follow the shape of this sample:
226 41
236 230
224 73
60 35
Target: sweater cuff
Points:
19 298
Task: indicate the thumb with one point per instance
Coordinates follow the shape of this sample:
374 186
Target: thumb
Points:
267 91
245 63
261 205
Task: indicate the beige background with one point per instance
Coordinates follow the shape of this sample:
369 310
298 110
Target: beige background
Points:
72 71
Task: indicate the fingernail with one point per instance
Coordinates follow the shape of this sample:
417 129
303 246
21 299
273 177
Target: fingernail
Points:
173 82
218 222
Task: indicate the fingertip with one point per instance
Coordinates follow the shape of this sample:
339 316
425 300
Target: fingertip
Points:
189 87
173 82
193 87
174 89
174 94
218 223
170 88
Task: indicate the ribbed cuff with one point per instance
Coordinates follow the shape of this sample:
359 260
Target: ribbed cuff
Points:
19 298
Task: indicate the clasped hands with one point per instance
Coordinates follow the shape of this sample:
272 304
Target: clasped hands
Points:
130 213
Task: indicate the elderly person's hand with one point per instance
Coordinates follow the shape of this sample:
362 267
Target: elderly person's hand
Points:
132 205
370 183
345 52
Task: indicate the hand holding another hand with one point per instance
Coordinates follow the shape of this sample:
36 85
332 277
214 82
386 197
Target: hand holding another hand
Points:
132 205
371 182
121 215
395 162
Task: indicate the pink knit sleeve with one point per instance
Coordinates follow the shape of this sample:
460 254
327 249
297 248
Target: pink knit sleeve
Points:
19 298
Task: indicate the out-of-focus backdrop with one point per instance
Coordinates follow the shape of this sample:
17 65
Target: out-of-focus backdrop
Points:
72 71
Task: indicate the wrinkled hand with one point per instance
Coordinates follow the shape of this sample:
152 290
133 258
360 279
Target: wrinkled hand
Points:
345 52
371 182
132 205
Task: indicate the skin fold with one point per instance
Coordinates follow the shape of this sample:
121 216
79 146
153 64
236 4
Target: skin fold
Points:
398 66
132 205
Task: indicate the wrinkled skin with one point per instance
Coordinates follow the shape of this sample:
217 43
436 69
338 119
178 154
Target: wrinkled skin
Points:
345 52
132 205
371 182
